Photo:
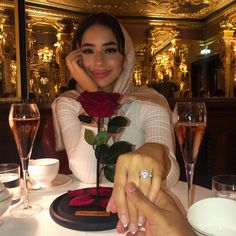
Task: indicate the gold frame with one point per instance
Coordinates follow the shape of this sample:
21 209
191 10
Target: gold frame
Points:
18 78
17 37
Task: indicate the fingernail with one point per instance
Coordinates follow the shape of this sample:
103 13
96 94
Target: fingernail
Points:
140 220
124 220
132 187
132 229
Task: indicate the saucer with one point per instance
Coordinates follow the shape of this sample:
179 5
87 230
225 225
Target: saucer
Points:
60 181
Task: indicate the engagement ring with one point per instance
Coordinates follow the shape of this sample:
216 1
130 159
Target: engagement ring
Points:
145 174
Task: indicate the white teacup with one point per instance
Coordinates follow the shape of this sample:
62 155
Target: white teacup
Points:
43 171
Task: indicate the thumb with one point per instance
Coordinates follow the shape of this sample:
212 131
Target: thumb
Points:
141 202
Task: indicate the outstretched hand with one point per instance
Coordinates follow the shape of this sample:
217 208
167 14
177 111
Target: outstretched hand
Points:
150 157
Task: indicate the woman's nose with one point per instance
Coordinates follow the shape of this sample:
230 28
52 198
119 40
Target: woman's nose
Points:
99 58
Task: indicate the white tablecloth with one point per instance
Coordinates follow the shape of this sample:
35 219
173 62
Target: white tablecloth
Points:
43 225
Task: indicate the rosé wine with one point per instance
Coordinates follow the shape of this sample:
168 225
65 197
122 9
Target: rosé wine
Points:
189 136
24 131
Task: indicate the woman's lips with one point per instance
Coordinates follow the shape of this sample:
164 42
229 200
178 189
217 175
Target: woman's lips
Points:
100 73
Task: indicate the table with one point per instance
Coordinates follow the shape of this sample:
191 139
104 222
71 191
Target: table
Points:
43 225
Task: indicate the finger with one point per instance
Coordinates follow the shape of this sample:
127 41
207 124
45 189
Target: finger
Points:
142 203
73 58
74 54
119 192
144 186
155 186
138 233
111 206
133 217
120 227
133 176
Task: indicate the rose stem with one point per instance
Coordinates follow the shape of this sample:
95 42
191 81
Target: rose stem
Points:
98 161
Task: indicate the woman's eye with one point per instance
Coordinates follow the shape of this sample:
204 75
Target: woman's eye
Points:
87 51
111 50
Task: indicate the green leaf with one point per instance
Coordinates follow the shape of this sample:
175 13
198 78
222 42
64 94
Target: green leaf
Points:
109 172
116 124
101 152
115 150
89 136
101 137
85 119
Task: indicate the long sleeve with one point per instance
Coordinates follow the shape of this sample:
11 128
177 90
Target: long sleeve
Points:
81 157
158 128
151 123
148 123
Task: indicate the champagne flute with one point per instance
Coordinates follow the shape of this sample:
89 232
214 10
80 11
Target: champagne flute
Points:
189 121
24 119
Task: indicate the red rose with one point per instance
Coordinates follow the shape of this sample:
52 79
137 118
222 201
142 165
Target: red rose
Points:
99 104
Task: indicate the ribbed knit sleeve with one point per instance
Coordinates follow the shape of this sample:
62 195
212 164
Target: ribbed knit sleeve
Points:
82 161
154 126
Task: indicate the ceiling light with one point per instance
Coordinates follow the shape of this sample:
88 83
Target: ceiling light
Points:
205 51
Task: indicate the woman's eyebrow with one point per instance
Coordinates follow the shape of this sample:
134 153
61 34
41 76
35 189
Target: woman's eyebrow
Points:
109 44
104 44
87 45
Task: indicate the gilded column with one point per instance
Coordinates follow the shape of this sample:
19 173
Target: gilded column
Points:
65 33
32 82
226 51
148 61
7 51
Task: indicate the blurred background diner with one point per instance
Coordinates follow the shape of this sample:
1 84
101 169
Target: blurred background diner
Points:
186 50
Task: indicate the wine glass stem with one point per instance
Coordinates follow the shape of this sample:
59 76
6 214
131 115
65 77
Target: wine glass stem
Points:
25 189
189 175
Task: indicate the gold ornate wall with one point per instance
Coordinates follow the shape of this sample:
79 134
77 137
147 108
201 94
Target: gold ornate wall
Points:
163 48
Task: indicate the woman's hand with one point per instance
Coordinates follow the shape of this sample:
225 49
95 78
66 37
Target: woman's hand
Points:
151 157
74 65
162 218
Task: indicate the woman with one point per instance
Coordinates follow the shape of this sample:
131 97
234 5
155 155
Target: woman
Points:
103 60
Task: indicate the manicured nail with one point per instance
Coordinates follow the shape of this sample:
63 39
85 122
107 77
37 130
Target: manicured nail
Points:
124 220
140 220
132 228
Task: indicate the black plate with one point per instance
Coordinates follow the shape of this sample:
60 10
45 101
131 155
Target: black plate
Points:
64 215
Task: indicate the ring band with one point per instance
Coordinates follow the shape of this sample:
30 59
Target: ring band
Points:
145 174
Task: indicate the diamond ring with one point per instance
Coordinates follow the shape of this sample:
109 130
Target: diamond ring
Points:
145 174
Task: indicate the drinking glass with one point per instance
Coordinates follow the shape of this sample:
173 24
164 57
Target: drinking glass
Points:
224 186
24 119
10 177
189 121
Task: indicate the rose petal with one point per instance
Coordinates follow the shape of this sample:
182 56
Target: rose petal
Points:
77 192
99 104
84 200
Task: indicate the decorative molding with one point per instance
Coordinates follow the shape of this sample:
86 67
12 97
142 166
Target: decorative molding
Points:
191 9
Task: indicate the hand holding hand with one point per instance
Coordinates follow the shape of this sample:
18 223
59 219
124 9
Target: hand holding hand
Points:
162 218
150 158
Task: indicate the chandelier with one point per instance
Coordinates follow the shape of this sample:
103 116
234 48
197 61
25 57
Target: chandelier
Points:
45 54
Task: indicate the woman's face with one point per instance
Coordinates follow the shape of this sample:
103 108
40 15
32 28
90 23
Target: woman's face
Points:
100 56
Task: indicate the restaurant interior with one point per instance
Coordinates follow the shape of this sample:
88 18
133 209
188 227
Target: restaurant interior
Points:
190 43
